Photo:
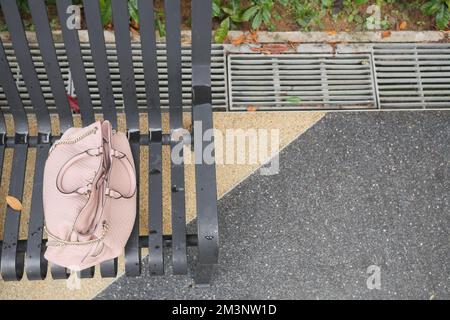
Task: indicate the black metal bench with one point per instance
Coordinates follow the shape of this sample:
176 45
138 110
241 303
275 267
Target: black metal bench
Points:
19 255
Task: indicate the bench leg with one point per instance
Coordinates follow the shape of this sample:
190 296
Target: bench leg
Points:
203 275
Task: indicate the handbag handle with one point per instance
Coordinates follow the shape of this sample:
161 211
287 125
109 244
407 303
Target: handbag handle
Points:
87 222
59 179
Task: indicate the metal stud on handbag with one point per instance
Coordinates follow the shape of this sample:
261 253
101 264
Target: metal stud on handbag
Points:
89 196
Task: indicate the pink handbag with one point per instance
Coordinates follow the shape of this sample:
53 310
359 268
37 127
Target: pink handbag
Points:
89 196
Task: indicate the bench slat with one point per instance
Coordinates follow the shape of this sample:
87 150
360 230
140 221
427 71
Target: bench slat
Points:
2 158
155 218
132 250
149 56
22 52
205 173
12 95
2 121
48 53
121 20
77 70
58 272
108 269
99 57
87 273
173 39
36 265
12 262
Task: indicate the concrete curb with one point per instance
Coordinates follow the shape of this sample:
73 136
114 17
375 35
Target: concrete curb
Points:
283 37
348 37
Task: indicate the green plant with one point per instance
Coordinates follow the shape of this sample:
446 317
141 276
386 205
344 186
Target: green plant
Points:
159 22
106 15
352 12
105 12
260 11
133 10
440 9
23 6
385 23
306 13
229 13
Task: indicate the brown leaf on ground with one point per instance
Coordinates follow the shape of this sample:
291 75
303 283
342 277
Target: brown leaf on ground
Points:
385 34
14 203
239 40
333 45
254 36
134 25
271 48
109 27
134 32
293 45
332 32
251 108
256 49
246 37
403 25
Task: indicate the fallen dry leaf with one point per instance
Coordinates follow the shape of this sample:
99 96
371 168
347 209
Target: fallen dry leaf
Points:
14 203
403 25
385 34
251 108
332 32
109 27
239 40
134 32
134 25
250 37
271 48
333 45
254 36
73 103
256 49
293 45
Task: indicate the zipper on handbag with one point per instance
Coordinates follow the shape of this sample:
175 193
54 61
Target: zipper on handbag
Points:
74 140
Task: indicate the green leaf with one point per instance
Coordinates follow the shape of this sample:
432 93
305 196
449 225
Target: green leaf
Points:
161 28
222 32
284 3
429 8
249 13
236 4
327 3
293 100
359 19
360 2
257 20
228 11
443 17
266 15
159 23
216 8
23 6
105 11
133 10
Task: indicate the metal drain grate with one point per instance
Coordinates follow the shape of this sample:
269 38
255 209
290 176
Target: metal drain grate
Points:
413 76
301 81
218 76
